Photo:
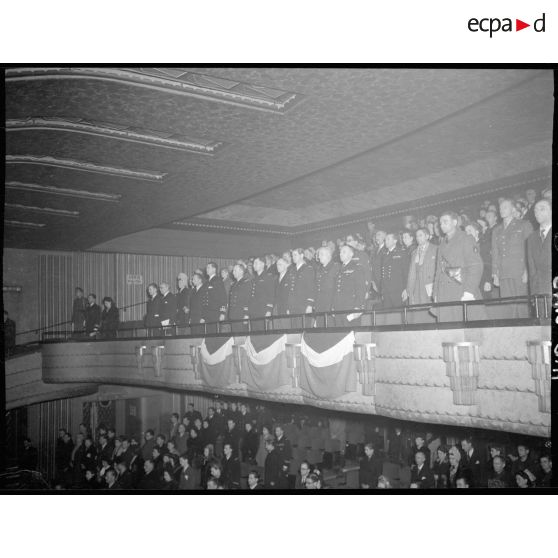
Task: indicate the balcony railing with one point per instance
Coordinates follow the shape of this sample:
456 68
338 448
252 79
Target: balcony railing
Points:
536 309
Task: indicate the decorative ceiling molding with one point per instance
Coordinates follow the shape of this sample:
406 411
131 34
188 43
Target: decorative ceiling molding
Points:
241 228
23 224
43 210
67 192
173 80
116 131
152 176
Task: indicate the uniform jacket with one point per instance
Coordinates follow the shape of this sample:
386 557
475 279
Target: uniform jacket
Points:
262 297
301 293
361 258
350 289
539 258
239 298
282 290
394 272
214 298
508 248
231 473
326 278
168 308
461 251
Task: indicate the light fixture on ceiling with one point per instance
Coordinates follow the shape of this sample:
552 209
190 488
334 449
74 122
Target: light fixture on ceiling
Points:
23 224
67 192
153 176
116 131
44 210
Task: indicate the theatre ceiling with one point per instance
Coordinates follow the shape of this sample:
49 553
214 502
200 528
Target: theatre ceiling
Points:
94 154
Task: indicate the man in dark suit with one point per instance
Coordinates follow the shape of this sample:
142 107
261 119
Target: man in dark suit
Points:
349 290
394 272
182 300
301 295
531 197
168 307
239 298
539 254
196 304
92 315
420 471
370 468
272 466
262 298
471 460
150 479
189 477
326 275
214 300
231 468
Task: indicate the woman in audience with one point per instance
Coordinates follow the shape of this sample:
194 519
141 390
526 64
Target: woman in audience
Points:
109 319
262 453
205 464
441 468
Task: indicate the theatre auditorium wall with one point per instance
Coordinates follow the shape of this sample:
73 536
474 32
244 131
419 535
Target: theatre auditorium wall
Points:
496 378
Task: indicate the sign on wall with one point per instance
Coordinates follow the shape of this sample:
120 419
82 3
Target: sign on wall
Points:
134 279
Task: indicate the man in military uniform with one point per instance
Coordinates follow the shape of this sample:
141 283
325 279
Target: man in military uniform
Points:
349 292
326 277
262 297
239 298
376 255
509 265
282 292
393 274
182 300
214 299
539 254
394 271
301 294
458 272
361 257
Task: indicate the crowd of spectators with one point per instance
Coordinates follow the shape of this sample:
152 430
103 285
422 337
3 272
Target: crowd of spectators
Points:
236 448
500 250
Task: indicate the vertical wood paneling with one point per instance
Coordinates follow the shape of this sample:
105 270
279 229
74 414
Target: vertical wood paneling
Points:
95 273
106 275
52 416
55 289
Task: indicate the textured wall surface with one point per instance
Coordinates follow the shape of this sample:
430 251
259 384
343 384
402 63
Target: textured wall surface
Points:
413 378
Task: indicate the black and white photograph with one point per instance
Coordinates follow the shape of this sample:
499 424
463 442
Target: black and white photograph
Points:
281 279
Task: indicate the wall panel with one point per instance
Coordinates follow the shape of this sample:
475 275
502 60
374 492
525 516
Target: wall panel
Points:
55 289
94 273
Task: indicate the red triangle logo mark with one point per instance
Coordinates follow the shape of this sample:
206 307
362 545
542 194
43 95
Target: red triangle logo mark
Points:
519 25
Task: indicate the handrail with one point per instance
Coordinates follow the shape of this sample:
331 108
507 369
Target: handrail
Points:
309 321
44 328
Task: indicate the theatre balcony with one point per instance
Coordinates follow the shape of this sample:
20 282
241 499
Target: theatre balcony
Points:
492 373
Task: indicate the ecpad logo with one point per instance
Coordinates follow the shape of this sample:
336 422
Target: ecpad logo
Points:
494 24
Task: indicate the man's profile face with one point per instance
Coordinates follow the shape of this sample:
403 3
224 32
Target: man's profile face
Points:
419 458
91 299
543 212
